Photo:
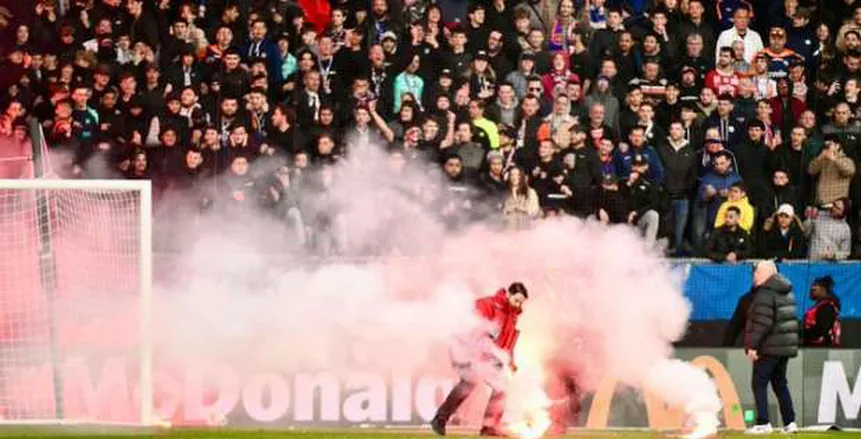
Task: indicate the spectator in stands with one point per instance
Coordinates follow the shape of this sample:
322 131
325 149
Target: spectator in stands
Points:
778 56
712 192
830 236
521 205
696 23
642 199
755 157
783 235
737 197
730 243
740 31
723 79
626 152
833 171
729 127
227 81
561 121
518 78
782 191
602 95
822 325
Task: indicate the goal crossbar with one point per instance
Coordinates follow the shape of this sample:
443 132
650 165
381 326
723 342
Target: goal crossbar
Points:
144 189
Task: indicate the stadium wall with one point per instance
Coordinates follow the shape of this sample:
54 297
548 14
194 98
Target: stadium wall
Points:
826 387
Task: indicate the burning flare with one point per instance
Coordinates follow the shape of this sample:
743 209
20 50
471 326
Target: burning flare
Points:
527 409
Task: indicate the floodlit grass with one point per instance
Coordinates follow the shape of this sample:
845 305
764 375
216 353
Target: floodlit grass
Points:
97 433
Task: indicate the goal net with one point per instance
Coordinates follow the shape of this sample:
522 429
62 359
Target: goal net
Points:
75 276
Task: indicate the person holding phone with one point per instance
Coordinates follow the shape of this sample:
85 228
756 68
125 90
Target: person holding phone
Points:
833 171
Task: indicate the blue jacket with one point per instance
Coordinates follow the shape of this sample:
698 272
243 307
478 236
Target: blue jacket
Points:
623 160
719 182
268 50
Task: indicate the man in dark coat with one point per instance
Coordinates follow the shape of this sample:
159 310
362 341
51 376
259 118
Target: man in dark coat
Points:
771 339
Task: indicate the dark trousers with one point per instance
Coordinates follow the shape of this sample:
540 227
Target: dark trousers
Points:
492 415
771 370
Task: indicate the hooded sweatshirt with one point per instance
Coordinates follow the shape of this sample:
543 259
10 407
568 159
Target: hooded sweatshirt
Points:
747 213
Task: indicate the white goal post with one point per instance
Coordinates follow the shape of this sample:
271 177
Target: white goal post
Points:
75 302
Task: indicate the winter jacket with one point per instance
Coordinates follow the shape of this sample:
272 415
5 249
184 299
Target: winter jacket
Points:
502 317
774 244
755 161
772 328
680 168
724 241
642 196
624 160
718 182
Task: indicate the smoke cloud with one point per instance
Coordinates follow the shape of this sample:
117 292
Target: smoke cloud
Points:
602 303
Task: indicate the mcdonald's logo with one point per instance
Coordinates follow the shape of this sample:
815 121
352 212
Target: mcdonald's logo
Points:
659 415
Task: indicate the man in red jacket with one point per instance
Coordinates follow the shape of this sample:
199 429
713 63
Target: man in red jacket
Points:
482 356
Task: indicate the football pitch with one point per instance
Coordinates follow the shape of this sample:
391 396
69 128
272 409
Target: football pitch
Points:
352 434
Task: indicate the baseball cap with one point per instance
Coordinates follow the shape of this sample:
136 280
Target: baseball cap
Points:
389 35
527 56
481 54
786 209
640 159
686 69
446 73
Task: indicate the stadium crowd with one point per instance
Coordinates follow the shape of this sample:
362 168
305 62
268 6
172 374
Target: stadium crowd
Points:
728 127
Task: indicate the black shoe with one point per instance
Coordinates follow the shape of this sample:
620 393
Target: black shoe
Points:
438 426
491 432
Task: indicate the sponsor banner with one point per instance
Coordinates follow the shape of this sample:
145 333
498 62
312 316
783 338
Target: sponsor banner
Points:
825 386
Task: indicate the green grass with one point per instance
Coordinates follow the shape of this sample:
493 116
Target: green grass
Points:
96 433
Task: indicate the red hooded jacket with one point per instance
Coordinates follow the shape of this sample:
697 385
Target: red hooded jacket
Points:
498 311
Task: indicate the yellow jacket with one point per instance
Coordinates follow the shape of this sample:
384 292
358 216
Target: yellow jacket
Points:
747 213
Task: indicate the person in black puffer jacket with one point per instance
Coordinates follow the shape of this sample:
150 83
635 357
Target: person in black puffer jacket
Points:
771 339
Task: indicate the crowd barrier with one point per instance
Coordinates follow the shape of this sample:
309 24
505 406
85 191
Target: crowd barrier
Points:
714 289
